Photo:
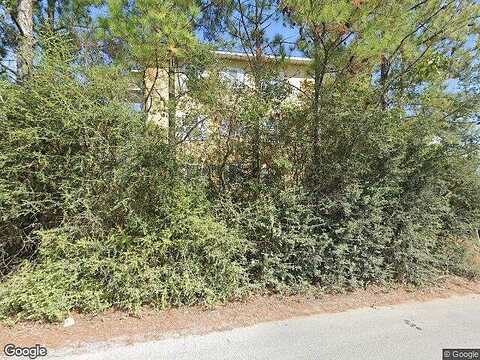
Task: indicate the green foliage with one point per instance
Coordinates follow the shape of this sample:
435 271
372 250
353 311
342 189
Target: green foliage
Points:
197 260
152 31
61 136
92 197
370 176
367 235
391 199
286 247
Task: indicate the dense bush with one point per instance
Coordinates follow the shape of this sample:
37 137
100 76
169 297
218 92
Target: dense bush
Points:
97 211
287 246
384 203
196 260
60 139
93 212
363 236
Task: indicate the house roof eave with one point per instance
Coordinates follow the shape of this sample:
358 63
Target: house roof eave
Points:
296 60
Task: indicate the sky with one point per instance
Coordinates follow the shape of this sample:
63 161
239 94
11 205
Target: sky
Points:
288 34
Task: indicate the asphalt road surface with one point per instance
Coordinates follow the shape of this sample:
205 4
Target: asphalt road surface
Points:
407 332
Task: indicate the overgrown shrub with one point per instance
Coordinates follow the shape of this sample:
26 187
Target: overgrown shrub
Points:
61 137
195 260
367 235
93 210
389 205
286 247
97 211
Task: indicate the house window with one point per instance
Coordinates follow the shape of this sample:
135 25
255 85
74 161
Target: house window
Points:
233 75
182 79
136 100
195 129
230 130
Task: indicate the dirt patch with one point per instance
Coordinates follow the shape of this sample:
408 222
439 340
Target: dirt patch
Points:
153 325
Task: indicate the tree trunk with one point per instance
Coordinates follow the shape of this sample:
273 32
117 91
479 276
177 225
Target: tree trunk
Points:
319 74
25 47
384 70
172 105
258 63
316 111
51 4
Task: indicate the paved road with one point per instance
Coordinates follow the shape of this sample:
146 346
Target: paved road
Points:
407 332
